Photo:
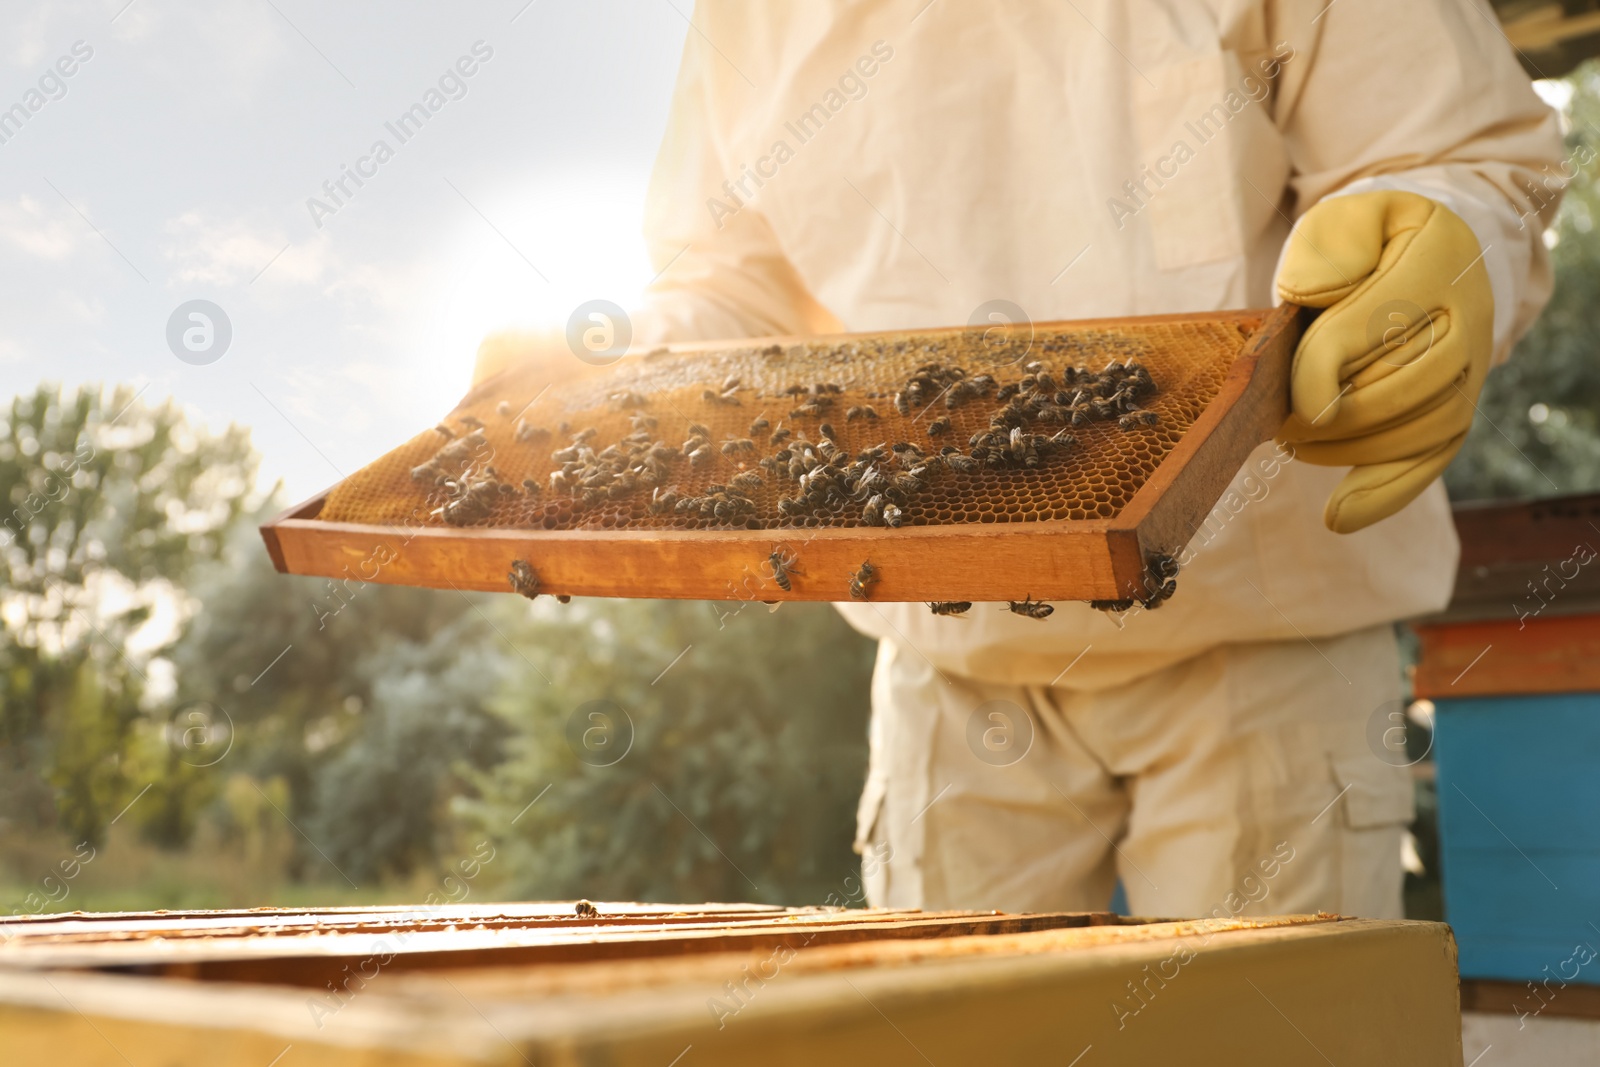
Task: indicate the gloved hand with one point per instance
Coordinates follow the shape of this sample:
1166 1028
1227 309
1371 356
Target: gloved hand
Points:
1385 380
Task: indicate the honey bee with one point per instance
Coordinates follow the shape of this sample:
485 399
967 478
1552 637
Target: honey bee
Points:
736 445
827 430
940 426
444 431
1135 419
584 435
745 481
902 404
962 464
1030 608
809 408
864 577
1113 606
530 487
559 483
950 607
586 910
892 516
782 568
711 396
779 436
729 384
471 422
503 409
872 513
759 427
701 456
563 598
524 579
864 411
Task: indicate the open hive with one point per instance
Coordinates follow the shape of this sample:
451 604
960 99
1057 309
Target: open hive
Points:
682 472
505 985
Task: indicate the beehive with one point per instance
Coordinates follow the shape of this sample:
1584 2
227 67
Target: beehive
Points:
1110 492
703 985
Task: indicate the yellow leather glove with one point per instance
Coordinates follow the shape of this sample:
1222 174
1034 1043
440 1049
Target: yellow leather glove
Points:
1385 380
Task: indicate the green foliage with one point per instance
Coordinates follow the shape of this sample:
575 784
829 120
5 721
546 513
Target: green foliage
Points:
362 697
1538 429
108 501
746 755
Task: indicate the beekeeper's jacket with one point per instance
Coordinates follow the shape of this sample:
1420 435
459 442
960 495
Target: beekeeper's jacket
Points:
900 164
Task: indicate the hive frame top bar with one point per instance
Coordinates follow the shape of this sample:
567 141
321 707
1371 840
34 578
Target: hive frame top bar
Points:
1062 559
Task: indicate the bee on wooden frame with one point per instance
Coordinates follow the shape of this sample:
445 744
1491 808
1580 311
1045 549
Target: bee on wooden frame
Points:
864 577
782 567
1031 609
950 607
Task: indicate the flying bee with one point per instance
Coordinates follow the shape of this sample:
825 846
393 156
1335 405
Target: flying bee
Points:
524 579
446 432
782 567
863 578
471 422
950 607
779 436
1030 608
759 427
940 426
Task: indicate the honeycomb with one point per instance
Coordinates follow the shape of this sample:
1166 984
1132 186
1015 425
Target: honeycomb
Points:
497 451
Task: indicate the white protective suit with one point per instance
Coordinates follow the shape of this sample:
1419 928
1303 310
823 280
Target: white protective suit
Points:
881 165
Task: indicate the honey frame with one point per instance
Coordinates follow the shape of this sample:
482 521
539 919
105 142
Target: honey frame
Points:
1091 559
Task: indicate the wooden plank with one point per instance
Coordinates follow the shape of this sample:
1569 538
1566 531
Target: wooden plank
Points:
301 957
1536 999
1062 559
1548 654
1526 557
1251 408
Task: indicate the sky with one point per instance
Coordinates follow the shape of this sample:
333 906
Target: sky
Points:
176 160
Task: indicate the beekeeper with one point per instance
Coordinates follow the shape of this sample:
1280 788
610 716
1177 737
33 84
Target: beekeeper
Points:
892 165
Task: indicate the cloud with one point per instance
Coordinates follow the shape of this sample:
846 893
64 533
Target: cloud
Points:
238 251
25 225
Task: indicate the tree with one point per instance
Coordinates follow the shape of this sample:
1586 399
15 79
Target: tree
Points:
1538 429
680 751
109 502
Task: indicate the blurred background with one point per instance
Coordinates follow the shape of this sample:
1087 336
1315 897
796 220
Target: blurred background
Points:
199 731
